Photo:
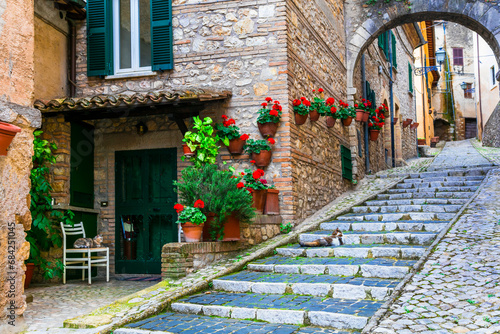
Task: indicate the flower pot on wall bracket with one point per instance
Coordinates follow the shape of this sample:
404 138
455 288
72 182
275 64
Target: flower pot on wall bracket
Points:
259 199
314 115
300 119
272 202
192 232
374 134
330 121
414 126
7 133
366 116
236 146
187 151
262 159
359 115
395 120
231 228
406 123
347 121
268 129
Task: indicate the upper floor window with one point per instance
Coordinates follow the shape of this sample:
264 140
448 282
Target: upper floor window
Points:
468 91
128 36
493 76
458 57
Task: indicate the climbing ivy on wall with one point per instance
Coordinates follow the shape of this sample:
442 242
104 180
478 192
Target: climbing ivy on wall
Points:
407 3
44 233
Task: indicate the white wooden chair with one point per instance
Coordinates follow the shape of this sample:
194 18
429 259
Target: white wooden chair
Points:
87 261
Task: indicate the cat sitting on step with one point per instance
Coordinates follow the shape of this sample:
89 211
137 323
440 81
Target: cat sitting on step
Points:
326 241
88 242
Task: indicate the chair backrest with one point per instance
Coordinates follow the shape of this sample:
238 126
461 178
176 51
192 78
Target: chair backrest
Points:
76 229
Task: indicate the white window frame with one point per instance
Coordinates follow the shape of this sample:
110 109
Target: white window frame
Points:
493 79
135 40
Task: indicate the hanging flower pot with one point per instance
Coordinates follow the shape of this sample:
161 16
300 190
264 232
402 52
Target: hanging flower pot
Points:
30 267
231 229
395 120
314 115
7 133
347 121
359 115
207 226
262 159
272 202
259 199
268 129
300 119
366 115
406 123
414 126
374 134
187 151
236 146
192 232
330 121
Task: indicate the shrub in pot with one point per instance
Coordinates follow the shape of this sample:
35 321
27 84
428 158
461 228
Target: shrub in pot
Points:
191 219
203 142
230 135
301 110
269 117
260 151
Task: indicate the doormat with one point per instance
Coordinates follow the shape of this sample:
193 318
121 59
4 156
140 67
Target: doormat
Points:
142 279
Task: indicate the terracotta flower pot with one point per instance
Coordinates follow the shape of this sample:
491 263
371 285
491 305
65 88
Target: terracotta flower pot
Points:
259 200
262 159
406 123
313 115
268 129
395 120
366 116
421 141
359 115
374 134
192 232
330 121
414 126
236 146
272 202
300 119
231 229
347 121
208 226
30 267
7 133
187 151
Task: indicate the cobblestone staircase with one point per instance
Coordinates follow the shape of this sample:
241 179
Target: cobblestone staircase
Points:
336 288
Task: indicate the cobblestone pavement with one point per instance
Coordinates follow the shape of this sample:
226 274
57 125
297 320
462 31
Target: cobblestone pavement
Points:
52 304
457 290
458 154
490 153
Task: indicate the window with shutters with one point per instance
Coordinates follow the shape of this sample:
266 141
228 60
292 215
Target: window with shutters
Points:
493 75
129 37
346 159
468 91
394 53
458 57
410 78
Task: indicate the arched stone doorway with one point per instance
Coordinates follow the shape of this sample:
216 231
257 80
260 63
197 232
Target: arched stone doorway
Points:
364 23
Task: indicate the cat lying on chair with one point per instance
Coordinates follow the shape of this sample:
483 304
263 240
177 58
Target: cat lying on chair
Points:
88 242
326 241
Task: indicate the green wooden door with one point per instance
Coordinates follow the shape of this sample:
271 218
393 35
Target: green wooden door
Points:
145 218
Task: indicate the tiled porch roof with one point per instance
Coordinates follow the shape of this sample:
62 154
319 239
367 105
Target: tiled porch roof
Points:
120 101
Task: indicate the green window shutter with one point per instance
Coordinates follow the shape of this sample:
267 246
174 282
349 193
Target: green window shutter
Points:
346 159
394 53
99 38
381 41
410 78
161 35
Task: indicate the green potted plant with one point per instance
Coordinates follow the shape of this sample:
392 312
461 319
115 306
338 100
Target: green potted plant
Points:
191 219
230 135
202 142
363 110
269 117
260 151
375 123
301 110
318 105
331 112
345 113
7 134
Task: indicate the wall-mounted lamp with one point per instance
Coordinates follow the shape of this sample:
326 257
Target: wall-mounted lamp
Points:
440 56
141 128
463 85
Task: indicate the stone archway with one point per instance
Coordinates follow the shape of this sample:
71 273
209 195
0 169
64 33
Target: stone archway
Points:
364 23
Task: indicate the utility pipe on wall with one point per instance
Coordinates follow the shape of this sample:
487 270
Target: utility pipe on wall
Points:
367 143
391 100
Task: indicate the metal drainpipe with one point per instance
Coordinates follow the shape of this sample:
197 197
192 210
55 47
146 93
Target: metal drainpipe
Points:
391 100
367 143
72 58
479 89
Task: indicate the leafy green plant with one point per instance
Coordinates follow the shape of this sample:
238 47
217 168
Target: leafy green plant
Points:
344 111
44 233
270 113
202 142
286 228
301 106
255 146
191 214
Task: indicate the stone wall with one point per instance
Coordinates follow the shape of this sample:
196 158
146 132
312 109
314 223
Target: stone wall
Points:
491 135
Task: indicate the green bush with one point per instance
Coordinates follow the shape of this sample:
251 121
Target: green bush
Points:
202 142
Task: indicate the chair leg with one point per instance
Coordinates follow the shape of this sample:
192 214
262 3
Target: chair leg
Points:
83 270
90 267
107 265
64 270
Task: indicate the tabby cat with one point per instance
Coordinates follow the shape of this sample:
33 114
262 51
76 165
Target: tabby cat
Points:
88 242
326 241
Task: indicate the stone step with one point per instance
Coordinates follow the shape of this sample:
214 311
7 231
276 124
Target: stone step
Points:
417 201
481 171
397 216
437 184
369 237
397 225
283 309
407 208
363 267
426 195
482 167
349 287
433 189
406 252
445 179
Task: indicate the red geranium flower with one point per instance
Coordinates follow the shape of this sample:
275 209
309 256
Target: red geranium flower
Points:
264 104
268 99
224 116
296 102
249 190
276 102
244 136
320 90
199 204
333 110
240 185
302 98
263 181
179 208
370 124
256 175
273 112
252 161
363 100
330 101
307 103
271 141
356 105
